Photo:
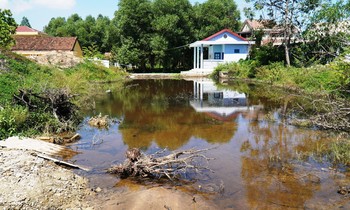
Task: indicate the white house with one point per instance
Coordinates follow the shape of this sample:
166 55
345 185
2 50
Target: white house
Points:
223 47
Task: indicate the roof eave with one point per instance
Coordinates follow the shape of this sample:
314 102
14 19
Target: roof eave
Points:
206 43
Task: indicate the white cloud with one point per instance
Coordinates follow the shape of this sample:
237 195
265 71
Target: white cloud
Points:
4 4
18 6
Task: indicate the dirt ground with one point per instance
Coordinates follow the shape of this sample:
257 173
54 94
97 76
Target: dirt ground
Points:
30 182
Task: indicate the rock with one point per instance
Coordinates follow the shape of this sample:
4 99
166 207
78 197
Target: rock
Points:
59 58
344 190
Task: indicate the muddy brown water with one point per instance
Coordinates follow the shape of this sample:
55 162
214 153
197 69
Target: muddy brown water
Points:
257 164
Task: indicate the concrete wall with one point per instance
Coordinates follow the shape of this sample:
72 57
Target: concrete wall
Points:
212 64
231 53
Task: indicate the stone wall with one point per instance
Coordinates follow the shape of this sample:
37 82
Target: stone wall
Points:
62 59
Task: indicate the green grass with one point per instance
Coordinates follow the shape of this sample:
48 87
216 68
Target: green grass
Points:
318 79
84 81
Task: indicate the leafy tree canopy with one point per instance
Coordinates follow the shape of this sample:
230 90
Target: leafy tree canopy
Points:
328 32
289 14
8 27
215 15
91 32
133 25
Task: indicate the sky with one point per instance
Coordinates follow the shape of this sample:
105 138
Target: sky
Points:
40 12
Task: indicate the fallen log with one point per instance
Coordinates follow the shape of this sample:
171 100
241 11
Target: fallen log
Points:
158 165
61 162
59 139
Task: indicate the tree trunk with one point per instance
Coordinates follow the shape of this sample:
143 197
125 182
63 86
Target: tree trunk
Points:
287 33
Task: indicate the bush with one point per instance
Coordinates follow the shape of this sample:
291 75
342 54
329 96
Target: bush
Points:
241 69
271 73
12 120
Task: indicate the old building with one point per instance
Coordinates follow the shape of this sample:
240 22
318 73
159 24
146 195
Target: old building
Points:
45 49
270 32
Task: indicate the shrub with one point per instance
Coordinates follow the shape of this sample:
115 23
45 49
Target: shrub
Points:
12 120
241 69
271 73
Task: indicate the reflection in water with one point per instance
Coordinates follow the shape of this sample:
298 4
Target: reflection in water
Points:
221 104
158 111
254 150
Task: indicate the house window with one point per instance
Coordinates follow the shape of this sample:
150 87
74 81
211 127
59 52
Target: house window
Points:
217 56
236 50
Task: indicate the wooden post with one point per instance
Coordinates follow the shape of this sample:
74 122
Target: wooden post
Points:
202 57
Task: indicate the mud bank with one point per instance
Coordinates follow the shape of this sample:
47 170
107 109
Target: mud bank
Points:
30 182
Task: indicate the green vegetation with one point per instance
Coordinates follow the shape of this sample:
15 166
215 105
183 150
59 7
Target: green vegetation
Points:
150 34
81 81
318 79
336 152
7 28
25 22
97 32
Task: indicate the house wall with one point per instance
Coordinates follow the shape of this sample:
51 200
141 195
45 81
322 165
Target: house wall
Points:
40 53
211 64
225 37
246 28
77 50
229 54
232 56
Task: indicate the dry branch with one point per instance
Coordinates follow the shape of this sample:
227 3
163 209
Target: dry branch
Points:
335 115
99 121
159 165
57 102
329 113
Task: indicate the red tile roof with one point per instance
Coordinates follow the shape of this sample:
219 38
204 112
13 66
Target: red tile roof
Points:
223 31
37 43
25 29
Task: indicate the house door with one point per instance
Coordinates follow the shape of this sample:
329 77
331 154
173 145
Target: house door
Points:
205 53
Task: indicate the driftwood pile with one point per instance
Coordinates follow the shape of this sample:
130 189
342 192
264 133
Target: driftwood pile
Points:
99 121
159 165
61 139
329 113
336 115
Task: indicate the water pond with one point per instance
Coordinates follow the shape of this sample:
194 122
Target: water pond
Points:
257 163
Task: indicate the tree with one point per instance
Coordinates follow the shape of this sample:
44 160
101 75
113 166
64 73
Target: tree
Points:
133 24
25 22
56 27
215 15
172 24
328 33
91 32
289 14
8 27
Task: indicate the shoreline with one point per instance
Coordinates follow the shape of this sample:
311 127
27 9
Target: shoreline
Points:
28 181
